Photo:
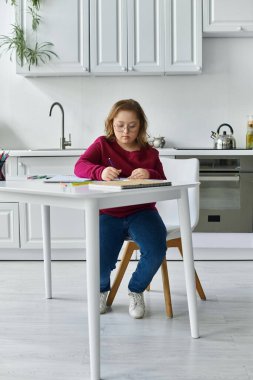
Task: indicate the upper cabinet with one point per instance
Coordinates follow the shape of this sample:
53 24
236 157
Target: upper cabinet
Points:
228 18
119 37
127 36
65 23
108 30
146 36
183 31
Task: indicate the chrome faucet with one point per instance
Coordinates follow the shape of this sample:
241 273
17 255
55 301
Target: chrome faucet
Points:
63 141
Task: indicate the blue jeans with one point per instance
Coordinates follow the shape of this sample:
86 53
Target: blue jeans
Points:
147 229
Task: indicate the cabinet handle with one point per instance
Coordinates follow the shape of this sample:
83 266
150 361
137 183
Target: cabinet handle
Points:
219 178
239 28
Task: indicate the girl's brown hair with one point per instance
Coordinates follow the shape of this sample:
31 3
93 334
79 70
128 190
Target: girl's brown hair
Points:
128 105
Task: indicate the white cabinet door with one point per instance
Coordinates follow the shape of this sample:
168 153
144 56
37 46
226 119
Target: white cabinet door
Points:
65 23
108 32
146 36
67 225
183 40
9 225
127 36
228 18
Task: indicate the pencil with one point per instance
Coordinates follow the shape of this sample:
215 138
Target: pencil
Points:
111 162
80 183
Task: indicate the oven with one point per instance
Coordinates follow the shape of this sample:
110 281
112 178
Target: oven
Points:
226 192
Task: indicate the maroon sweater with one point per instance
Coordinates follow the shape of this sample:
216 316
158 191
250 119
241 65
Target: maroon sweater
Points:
96 158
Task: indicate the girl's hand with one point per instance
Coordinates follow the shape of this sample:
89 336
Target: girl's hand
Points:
110 173
139 174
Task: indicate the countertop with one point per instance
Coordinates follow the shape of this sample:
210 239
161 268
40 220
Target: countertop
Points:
163 152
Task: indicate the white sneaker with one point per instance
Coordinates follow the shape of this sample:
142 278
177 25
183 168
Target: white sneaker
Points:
103 299
136 305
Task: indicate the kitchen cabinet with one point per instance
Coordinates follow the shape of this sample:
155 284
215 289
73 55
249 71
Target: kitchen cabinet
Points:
183 36
65 23
117 37
67 225
127 36
9 215
9 222
228 18
146 36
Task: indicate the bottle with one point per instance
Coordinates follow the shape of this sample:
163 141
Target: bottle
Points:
249 135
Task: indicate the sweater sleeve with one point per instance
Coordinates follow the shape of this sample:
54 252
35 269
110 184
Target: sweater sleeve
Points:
157 172
89 165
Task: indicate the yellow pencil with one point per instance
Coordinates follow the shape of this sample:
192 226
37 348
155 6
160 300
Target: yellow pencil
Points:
80 183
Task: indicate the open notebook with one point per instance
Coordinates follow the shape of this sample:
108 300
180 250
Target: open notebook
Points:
128 184
66 179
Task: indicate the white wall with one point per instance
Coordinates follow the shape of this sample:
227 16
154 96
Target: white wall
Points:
184 109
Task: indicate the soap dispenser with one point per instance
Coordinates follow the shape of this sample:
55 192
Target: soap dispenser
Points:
249 135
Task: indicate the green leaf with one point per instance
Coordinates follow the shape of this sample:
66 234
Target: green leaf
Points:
13 2
36 4
35 18
15 43
40 53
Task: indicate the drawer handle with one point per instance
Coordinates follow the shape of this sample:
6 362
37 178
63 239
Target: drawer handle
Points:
220 179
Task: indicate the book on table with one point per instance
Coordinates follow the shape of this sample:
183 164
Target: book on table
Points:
128 184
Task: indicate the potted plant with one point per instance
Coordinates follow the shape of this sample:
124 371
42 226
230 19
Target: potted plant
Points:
26 53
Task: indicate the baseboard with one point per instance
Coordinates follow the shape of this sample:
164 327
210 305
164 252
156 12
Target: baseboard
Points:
222 240
37 254
207 246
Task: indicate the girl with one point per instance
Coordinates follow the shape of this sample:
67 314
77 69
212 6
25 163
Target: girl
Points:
125 152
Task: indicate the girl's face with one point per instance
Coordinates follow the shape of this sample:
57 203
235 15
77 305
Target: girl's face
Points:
126 128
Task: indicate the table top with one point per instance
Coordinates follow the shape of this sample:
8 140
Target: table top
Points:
23 185
34 191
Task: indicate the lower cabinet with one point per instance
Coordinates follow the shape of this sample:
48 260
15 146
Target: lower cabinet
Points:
67 225
9 225
21 223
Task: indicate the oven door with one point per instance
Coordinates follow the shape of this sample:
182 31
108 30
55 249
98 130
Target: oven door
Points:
225 204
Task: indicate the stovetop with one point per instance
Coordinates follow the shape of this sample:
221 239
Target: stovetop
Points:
205 148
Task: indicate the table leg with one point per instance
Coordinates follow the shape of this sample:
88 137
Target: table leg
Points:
45 213
186 236
93 287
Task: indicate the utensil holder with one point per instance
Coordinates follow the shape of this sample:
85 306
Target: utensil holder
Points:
2 171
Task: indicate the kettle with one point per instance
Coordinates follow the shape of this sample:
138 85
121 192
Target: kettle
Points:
224 141
157 142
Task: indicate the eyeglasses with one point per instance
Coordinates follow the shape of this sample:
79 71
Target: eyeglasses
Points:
122 127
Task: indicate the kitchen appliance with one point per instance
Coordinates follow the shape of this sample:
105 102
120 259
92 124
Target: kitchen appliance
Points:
224 141
226 188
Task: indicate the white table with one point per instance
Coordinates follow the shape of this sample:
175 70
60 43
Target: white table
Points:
91 201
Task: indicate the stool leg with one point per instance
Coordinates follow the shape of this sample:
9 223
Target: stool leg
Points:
166 289
127 254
